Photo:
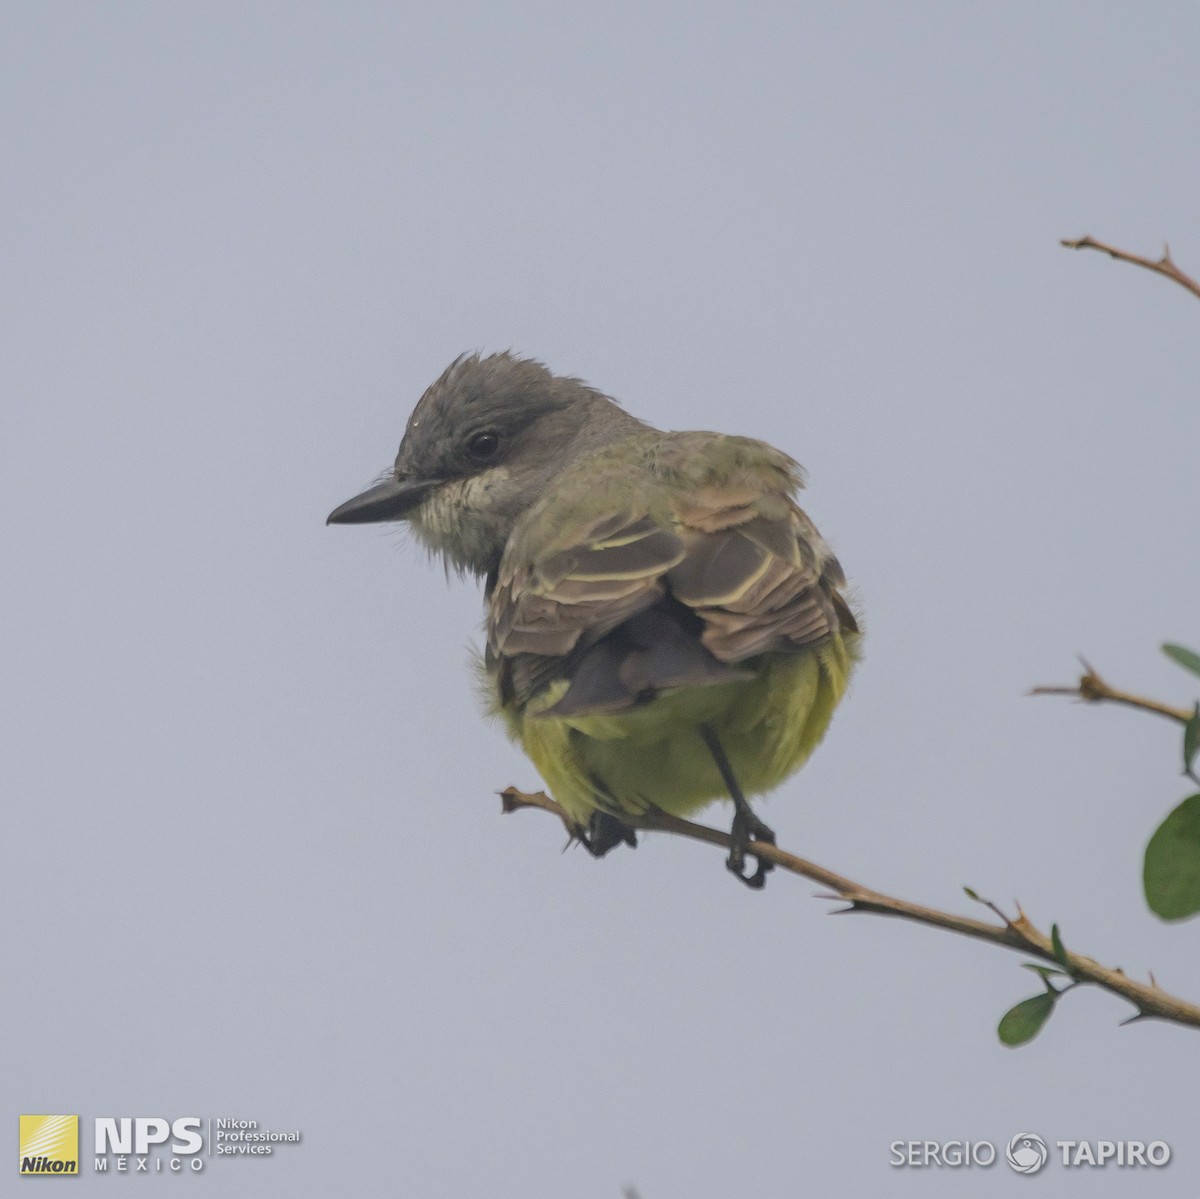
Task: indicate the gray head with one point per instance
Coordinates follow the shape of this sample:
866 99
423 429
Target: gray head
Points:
481 446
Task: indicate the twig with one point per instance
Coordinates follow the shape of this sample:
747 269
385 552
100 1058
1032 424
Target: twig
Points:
1017 933
1093 689
1164 266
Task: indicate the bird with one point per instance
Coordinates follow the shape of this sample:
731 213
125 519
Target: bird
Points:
664 625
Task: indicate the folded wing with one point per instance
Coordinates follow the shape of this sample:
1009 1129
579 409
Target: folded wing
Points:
636 604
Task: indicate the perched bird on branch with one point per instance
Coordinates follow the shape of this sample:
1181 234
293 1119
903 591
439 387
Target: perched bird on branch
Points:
665 625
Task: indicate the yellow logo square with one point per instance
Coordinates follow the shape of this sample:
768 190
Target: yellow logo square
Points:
49 1144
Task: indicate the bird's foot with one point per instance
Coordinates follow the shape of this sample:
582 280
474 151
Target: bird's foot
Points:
605 832
746 830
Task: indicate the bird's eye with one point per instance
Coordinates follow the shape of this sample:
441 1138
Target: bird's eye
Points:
483 446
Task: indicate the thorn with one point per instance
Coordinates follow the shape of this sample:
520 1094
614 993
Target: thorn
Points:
1138 1015
1153 980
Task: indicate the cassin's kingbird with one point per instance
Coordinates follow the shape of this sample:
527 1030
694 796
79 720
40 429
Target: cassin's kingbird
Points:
664 624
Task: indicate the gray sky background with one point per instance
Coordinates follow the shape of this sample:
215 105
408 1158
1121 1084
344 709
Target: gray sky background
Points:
254 865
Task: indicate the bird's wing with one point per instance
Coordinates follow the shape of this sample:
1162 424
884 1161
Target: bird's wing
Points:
546 610
707 563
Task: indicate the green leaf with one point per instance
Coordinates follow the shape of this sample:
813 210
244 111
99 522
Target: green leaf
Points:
1191 740
1020 1024
1171 874
1187 658
1059 952
972 895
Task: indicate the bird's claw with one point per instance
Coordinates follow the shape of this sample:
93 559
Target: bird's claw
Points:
604 832
746 830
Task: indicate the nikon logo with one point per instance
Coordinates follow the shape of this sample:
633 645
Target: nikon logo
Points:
48 1165
49 1145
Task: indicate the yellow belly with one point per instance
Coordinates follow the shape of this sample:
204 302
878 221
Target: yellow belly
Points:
653 754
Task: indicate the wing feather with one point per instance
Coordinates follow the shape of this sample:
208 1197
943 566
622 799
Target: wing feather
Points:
686 592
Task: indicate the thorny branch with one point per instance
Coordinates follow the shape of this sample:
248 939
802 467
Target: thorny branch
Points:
1164 266
1093 690
1149 999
